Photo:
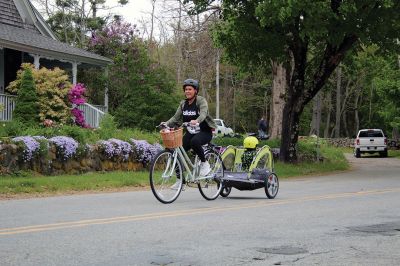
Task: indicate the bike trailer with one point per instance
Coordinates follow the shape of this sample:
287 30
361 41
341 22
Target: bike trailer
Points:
258 175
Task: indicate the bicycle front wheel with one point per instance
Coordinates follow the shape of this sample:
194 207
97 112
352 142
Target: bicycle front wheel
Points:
211 185
166 177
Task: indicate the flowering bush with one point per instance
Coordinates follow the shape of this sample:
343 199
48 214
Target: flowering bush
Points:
115 147
31 146
144 151
66 146
52 87
75 96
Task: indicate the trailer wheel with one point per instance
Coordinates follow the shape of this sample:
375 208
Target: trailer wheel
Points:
225 191
271 185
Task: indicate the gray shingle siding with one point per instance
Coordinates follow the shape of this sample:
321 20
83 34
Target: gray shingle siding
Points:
9 15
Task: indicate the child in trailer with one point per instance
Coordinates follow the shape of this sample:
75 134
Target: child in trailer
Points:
250 145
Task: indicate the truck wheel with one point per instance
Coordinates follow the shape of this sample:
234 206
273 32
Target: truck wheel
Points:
357 153
384 153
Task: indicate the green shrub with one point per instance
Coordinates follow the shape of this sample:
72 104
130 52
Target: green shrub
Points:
26 108
108 127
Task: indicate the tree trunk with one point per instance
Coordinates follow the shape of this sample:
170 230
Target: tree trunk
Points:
356 117
328 114
179 46
279 85
290 129
316 115
395 134
338 95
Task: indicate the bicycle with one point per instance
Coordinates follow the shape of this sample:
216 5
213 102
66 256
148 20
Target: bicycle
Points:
172 166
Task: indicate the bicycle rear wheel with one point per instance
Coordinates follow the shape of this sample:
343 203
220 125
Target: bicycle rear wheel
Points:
211 186
166 178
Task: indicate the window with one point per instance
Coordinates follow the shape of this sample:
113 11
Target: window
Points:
371 134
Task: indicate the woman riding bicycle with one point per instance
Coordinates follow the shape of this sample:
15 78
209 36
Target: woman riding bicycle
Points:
194 109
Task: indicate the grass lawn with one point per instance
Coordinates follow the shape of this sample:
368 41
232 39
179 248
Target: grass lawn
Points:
27 183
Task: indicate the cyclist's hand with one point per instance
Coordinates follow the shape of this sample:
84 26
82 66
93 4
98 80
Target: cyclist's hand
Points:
162 125
194 122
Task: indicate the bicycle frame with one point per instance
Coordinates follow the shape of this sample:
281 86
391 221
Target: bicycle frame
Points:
192 169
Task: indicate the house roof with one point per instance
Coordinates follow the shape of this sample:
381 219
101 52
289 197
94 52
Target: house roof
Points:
23 29
31 42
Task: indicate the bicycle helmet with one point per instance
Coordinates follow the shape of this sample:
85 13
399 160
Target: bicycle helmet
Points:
191 82
250 142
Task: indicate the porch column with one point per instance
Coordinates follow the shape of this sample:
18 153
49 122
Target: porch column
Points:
74 72
36 60
1 70
106 89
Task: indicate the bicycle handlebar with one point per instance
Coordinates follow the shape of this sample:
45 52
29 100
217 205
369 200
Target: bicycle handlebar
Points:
163 125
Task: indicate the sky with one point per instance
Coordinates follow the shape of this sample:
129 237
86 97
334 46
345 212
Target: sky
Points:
132 12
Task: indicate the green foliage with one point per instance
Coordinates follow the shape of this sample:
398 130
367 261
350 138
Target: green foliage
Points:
141 93
108 127
26 109
82 135
52 88
13 128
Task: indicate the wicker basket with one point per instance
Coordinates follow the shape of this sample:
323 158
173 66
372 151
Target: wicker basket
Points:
172 139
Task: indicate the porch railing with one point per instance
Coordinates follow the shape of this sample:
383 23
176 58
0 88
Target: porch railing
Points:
7 105
92 113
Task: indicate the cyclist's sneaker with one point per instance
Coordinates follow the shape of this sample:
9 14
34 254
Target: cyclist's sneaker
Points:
176 185
204 168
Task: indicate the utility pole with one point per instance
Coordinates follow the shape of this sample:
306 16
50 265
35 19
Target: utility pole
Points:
217 85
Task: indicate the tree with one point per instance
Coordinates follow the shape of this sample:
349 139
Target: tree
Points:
310 37
27 108
73 20
141 93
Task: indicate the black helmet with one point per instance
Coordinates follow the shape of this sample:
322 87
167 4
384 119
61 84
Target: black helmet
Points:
191 82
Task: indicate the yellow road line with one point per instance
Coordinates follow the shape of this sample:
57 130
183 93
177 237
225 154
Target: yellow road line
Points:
151 216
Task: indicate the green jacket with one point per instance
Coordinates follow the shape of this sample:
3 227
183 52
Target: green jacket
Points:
202 106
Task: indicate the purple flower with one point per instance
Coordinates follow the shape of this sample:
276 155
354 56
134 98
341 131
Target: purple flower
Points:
145 152
31 146
66 146
116 147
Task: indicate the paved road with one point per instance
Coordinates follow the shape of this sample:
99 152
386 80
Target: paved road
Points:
350 218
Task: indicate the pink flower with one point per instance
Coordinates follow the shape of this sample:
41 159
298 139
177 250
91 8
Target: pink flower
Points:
48 123
76 97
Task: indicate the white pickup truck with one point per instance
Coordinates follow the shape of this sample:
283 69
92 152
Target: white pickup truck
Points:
222 128
370 141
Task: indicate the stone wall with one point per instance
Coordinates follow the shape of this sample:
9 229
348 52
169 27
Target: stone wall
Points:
12 161
340 142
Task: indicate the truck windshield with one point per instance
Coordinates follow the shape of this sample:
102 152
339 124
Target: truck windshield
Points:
371 134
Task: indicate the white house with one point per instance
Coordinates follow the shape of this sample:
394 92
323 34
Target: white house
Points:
26 37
